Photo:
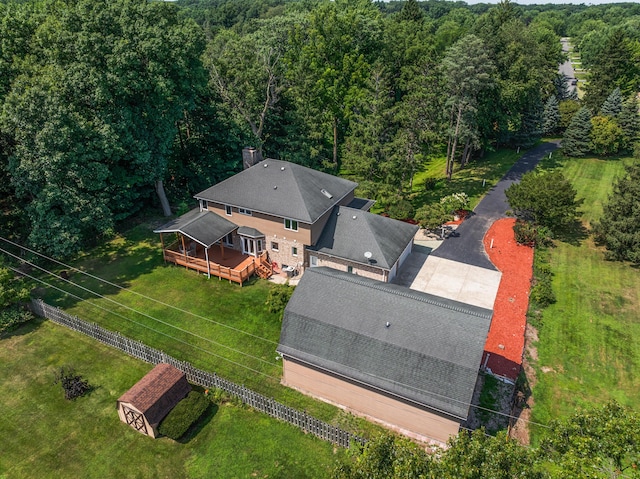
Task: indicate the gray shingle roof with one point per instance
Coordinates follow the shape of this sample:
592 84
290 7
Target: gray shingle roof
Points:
429 354
281 189
349 233
202 226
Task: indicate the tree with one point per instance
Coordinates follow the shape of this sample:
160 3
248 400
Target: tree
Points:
613 104
618 229
629 121
92 116
468 72
13 296
550 116
613 67
547 199
567 110
600 443
607 138
576 138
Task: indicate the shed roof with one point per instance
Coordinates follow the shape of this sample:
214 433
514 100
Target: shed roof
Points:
282 189
157 392
204 227
349 233
430 352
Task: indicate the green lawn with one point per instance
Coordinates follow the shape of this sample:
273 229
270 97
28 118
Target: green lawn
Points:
219 326
475 179
589 340
44 435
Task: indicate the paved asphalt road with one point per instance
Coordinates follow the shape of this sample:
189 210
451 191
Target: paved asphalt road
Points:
465 244
566 67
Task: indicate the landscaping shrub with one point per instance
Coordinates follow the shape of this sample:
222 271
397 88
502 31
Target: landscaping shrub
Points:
12 316
278 298
541 290
401 210
430 184
186 413
73 384
527 233
454 202
432 216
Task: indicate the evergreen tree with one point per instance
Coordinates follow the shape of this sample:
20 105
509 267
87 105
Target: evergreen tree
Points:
411 12
551 116
619 228
576 139
613 104
629 121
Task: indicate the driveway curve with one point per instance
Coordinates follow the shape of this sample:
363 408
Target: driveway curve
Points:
465 244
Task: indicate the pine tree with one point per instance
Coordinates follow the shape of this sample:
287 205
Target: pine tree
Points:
629 121
619 228
576 139
613 104
550 116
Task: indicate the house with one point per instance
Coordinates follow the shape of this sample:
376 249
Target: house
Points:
282 215
148 402
363 243
406 359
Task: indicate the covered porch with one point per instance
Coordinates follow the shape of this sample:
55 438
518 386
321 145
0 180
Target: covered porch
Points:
197 242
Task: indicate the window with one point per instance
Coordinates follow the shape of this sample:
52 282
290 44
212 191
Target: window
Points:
243 211
349 269
227 210
229 239
290 224
259 246
294 251
274 246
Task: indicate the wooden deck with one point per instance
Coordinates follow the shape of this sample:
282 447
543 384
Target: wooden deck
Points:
225 263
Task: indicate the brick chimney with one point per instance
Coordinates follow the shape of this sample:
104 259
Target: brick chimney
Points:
250 156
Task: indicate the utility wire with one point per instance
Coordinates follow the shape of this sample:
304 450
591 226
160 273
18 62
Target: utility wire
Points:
136 293
22 273
136 311
499 413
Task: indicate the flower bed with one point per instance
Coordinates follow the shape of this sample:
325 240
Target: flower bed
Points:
505 341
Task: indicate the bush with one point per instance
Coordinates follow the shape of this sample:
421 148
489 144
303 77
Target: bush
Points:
401 210
278 297
432 216
528 234
181 417
73 384
13 316
430 184
454 202
541 290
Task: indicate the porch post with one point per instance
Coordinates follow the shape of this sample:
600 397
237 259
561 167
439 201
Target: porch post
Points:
164 257
222 249
206 255
184 250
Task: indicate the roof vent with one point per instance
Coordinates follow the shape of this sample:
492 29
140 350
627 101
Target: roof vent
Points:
326 193
354 217
265 165
282 168
275 187
388 324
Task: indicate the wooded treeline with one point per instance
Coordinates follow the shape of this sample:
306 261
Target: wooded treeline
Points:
107 104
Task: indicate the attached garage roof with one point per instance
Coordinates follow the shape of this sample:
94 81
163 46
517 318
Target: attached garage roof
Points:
158 392
350 233
429 352
204 227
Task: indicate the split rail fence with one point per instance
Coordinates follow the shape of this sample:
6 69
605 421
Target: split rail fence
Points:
205 379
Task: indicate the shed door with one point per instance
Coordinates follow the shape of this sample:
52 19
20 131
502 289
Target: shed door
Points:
135 419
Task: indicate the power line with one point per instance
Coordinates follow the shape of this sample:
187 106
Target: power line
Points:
463 403
136 311
138 294
140 324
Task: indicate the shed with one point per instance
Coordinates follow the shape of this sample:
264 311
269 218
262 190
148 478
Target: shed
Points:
152 398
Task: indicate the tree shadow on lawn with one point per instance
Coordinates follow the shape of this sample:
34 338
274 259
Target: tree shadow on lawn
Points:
23 329
574 233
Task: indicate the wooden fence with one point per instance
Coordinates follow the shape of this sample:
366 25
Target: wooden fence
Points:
205 379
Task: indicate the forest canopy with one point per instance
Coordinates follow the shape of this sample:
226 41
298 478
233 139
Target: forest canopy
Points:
104 106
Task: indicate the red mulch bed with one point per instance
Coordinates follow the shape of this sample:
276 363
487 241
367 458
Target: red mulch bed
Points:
505 342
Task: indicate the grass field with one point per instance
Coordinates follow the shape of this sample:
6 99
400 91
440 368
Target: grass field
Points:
589 340
475 179
44 435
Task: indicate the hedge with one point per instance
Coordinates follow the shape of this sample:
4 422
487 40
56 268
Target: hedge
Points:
181 417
